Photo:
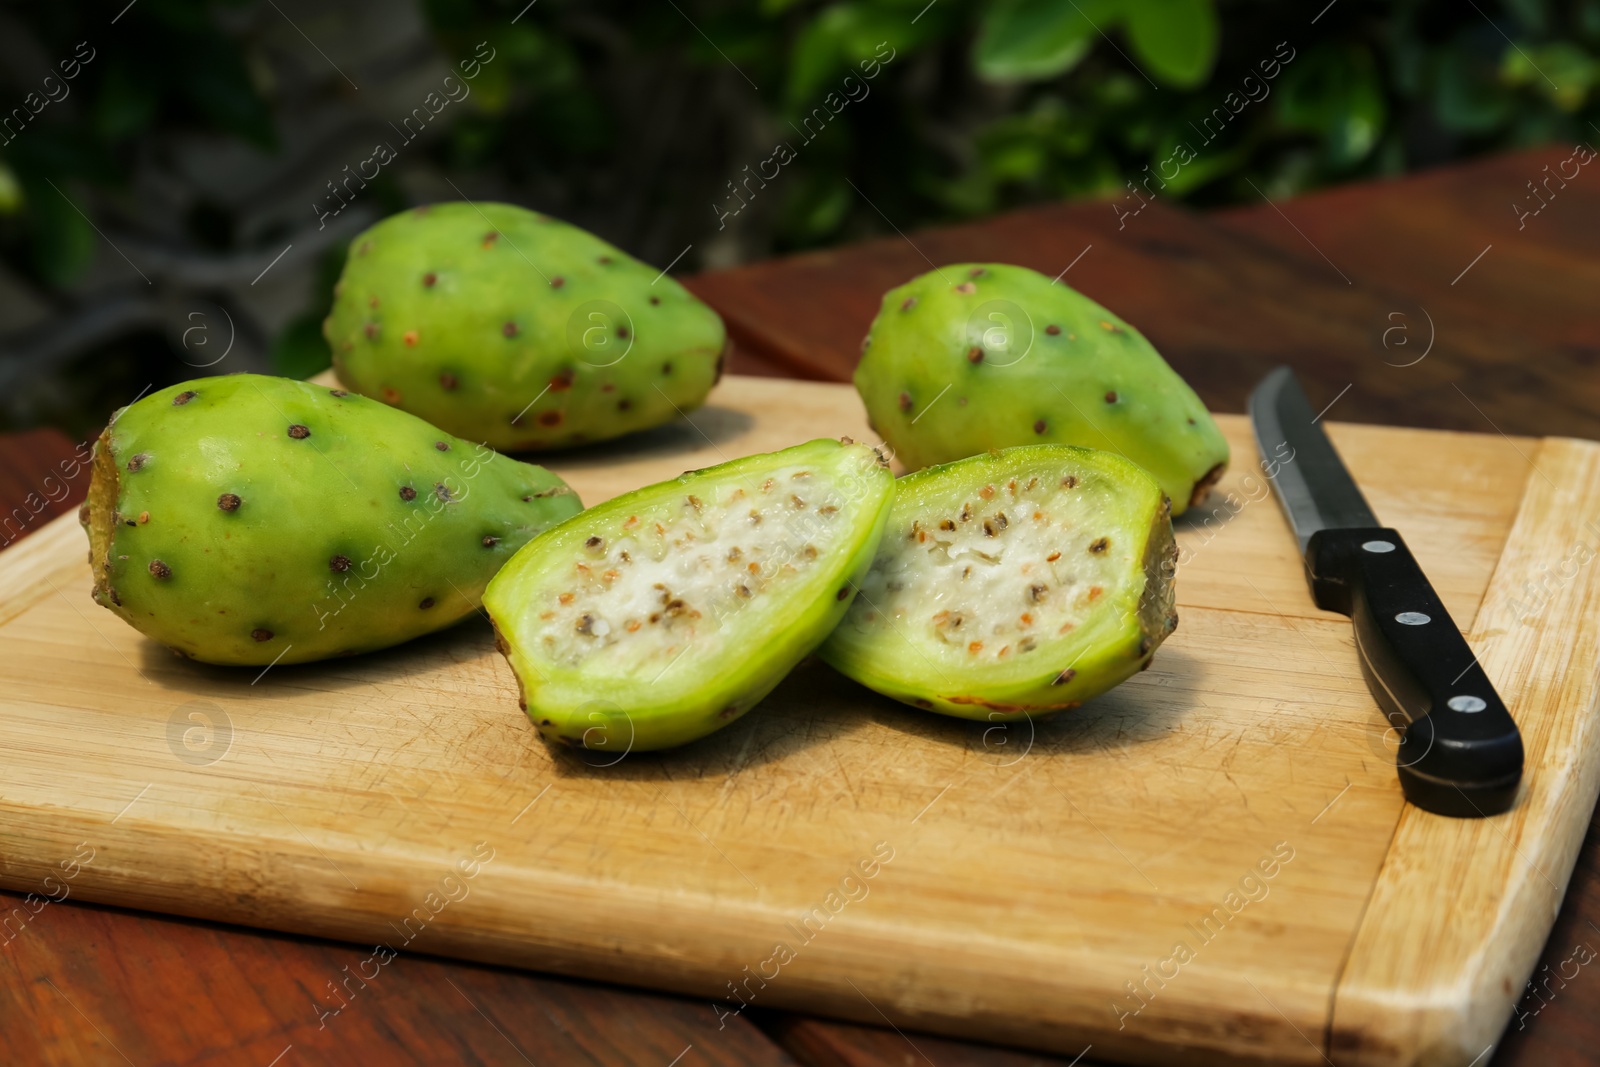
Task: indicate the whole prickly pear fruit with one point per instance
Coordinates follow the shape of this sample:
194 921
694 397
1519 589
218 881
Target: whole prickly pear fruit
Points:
517 329
1013 583
659 616
253 520
977 356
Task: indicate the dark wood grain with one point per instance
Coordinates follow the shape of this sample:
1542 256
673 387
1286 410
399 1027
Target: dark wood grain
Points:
1224 297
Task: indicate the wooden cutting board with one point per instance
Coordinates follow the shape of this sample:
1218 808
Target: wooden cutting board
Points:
1213 862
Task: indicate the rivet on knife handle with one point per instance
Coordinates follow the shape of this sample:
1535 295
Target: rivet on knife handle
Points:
1461 754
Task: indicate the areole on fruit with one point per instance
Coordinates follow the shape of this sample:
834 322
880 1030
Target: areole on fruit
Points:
1013 583
682 604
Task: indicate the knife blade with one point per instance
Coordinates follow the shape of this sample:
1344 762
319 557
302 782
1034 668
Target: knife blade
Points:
1460 752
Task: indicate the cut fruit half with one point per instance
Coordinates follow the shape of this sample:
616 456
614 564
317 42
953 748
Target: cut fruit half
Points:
662 615
1013 583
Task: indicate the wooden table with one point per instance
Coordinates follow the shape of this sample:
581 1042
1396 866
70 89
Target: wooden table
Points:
1419 301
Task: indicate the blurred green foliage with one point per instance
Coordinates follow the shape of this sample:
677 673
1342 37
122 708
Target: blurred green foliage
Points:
1005 102
984 105
172 67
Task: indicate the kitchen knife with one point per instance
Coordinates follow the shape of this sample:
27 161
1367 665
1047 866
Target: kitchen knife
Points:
1460 752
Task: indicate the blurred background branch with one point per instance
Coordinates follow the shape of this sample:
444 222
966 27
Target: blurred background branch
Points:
153 163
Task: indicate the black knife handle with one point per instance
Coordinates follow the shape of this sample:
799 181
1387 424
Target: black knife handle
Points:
1460 752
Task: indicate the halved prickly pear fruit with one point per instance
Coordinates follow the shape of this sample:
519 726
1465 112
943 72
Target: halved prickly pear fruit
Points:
253 520
977 356
1013 583
660 616
517 329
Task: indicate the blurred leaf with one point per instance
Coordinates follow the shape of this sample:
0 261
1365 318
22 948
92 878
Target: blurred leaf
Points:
125 104
1030 40
1532 14
1561 71
1335 91
11 199
63 241
300 351
840 39
1466 99
1175 39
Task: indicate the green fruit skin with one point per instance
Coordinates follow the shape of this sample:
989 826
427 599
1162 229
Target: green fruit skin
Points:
963 359
1128 627
217 532
513 328
681 705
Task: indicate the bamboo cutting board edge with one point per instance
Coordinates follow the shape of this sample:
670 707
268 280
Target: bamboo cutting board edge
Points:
1460 981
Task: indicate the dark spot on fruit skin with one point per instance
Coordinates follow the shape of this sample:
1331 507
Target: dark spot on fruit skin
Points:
427 602
1203 486
842 593
974 354
490 238
975 272
593 542
1070 482
1038 426
1065 676
448 382
557 282
137 462
509 329
563 380
371 330
908 303
299 432
1111 396
229 502
1100 545
666 368
490 540
184 397
429 279
115 599
407 493
604 261
339 564
624 404
550 418
160 570
441 446
337 392
261 634
442 491
1191 422
923 703
654 300
905 401
1052 329
622 332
